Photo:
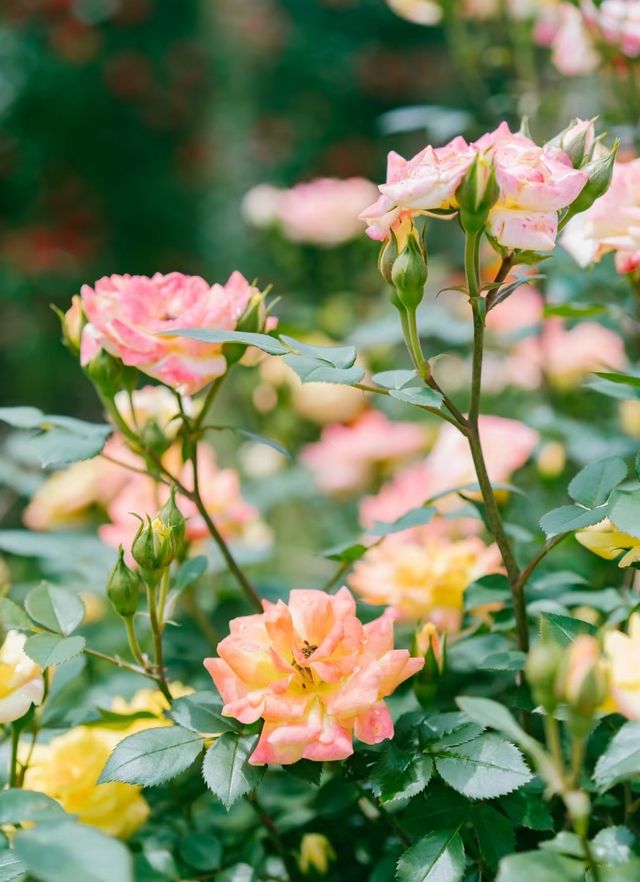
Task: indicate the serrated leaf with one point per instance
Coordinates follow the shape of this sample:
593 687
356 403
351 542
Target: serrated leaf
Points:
394 379
417 517
266 343
57 609
313 370
495 834
421 396
563 629
337 356
437 857
621 759
201 712
60 439
624 511
593 485
461 734
226 770
613 845
493 715
48 649
568 518
539 866
347 552
305 770
202 851
18 806
484 768
621 378
507 660
12 868
152 756
526 808
13 616
400 775
70 852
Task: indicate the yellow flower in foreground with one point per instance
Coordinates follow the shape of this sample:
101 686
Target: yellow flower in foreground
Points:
622 652
68 768
150 700
21 680
605 540
315 853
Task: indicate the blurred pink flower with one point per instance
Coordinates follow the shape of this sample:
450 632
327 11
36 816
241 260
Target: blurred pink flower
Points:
523 309
345 457
314 673
564 29
127 313
507 445
611 224
617 22
323 212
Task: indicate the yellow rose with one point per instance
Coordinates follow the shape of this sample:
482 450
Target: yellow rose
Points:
605 540
622 653
21 680
150 700
315 853
68 768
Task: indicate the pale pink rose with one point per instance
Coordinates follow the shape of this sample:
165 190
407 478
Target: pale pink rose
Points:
564 29
220 490
617 22
323 212
21 680
507 446
535 184
565 355
423 577
127 314
314 673
416 186
611 224
345 458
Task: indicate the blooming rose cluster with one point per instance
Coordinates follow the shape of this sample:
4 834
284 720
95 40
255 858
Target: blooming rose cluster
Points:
132 317
323 212
314 673
535 184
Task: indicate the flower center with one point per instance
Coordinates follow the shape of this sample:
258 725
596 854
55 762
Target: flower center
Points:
308 648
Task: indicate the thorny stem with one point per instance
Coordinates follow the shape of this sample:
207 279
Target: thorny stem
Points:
118 662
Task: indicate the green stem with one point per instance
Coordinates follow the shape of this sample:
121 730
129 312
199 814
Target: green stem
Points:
210 397
552 734
118 662
13 757
162 599
548 546
156 633
132 637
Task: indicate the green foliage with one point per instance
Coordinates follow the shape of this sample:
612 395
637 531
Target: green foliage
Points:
57 609
153 756
593 485
621 759
47 649
59 440
226 770
438 857
484 768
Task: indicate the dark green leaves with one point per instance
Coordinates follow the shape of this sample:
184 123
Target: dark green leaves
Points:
563 629
152 756
621 759
59 440
593 485
399 774
201 712
226 769
484 768
539 866
438 857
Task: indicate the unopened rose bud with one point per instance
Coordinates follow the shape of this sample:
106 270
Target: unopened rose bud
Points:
409 274
315 854
543 663
105 372
577 141
477 194
173 519
551 459
582 680
153 548
72 322
386 258
428 644
599 172
122 587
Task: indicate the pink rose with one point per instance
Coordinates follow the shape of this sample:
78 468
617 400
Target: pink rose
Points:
535 184
345 457
416 186
127 314
314 673
564 29
617 22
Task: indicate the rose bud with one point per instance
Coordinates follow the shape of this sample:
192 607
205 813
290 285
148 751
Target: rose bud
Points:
582 680
577 141
122 587
477 194
153 548
427 643
541 670
409 274
315 854
599 172
174 521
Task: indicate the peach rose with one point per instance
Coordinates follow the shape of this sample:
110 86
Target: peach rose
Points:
314 673
535 184
622 653
345 457
21 680
127 314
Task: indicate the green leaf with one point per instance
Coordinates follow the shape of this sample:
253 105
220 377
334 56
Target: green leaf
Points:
526 808
624 511
616 377
17 806
201 712
539 866
573 310
416 517
212 335
190 571
400 775
11 867
347 552
226 769
563 629
495 834
337 356
305 770
437 857
48 649
57 609
152 756
484 768
268 442
564 843
202 851
21 417
421 396
621 759
13 616
507 660
70 852
613 845
61 439
593 485
568 518
493 715
394 379
313 370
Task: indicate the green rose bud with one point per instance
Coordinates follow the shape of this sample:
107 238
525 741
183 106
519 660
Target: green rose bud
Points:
428 644
409 274
599 172
386 258
173 520
122 587
543 663
105 372
153 548
477 194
